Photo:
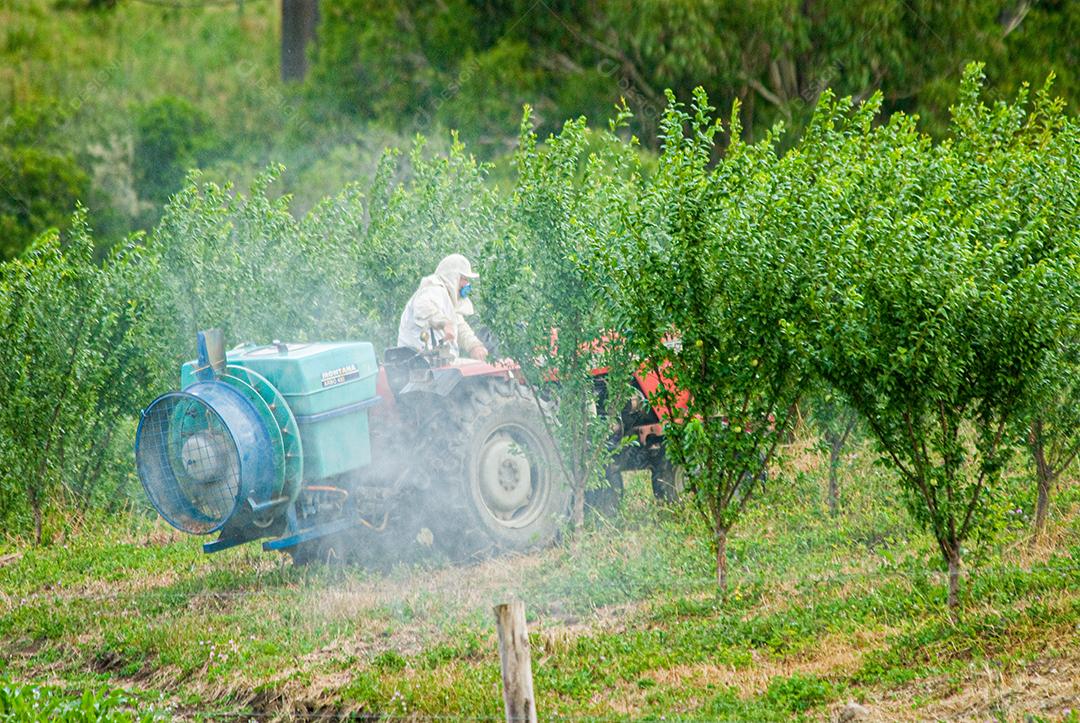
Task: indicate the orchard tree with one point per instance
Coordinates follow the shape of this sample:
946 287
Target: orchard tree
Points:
711 291
1052 429
947 275
80 345
548 296
1053 433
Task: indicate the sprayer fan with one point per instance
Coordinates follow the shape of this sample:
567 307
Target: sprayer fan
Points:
201 453
188 463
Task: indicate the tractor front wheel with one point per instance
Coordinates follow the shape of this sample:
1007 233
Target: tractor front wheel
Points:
325 551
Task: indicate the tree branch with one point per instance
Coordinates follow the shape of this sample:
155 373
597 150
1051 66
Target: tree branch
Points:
765 92
1010 21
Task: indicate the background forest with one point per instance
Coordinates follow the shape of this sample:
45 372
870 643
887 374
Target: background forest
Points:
111 101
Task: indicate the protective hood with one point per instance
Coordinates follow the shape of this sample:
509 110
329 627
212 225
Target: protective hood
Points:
450 272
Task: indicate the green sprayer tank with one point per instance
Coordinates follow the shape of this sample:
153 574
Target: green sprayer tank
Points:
231 451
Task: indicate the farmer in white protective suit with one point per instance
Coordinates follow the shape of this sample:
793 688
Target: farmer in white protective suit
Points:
437 311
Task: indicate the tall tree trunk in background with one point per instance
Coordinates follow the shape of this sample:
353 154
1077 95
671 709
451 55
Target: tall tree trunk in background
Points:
299 20
836 448
35 507
1051 460
1042 505
834 486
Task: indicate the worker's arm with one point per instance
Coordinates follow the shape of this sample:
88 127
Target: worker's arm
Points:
468 342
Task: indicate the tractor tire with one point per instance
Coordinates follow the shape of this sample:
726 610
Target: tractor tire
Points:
499 484
668 479
321 551
607 499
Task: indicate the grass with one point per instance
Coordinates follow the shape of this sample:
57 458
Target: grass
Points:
624 620
34 702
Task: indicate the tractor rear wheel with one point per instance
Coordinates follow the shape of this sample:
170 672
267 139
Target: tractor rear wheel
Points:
499 483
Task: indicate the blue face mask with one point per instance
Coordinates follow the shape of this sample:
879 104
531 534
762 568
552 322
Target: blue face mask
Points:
465 290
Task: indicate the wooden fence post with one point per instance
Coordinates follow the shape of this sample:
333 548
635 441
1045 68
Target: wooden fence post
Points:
516 666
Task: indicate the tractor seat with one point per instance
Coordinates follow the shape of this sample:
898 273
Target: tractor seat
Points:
399 355
399 361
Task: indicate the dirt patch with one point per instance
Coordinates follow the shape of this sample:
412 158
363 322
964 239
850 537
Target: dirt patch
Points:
107 661
802 455
367 646
158 537
558 634
1048 688
833 656
454 588
290 699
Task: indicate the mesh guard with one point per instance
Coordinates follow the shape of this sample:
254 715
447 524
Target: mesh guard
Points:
201 452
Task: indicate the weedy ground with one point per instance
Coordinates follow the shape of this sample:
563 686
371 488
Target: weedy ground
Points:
131 620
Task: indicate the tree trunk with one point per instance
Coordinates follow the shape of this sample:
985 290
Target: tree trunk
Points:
579 504
954 577
834 486
1042 505
299 20
836 448
721 559
1044 476
35 506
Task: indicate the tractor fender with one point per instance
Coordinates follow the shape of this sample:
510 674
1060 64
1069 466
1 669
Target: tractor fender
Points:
439 382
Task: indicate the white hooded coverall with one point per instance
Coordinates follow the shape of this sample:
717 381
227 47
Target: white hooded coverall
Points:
437 305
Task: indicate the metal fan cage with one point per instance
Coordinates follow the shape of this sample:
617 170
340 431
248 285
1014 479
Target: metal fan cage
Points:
189 463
